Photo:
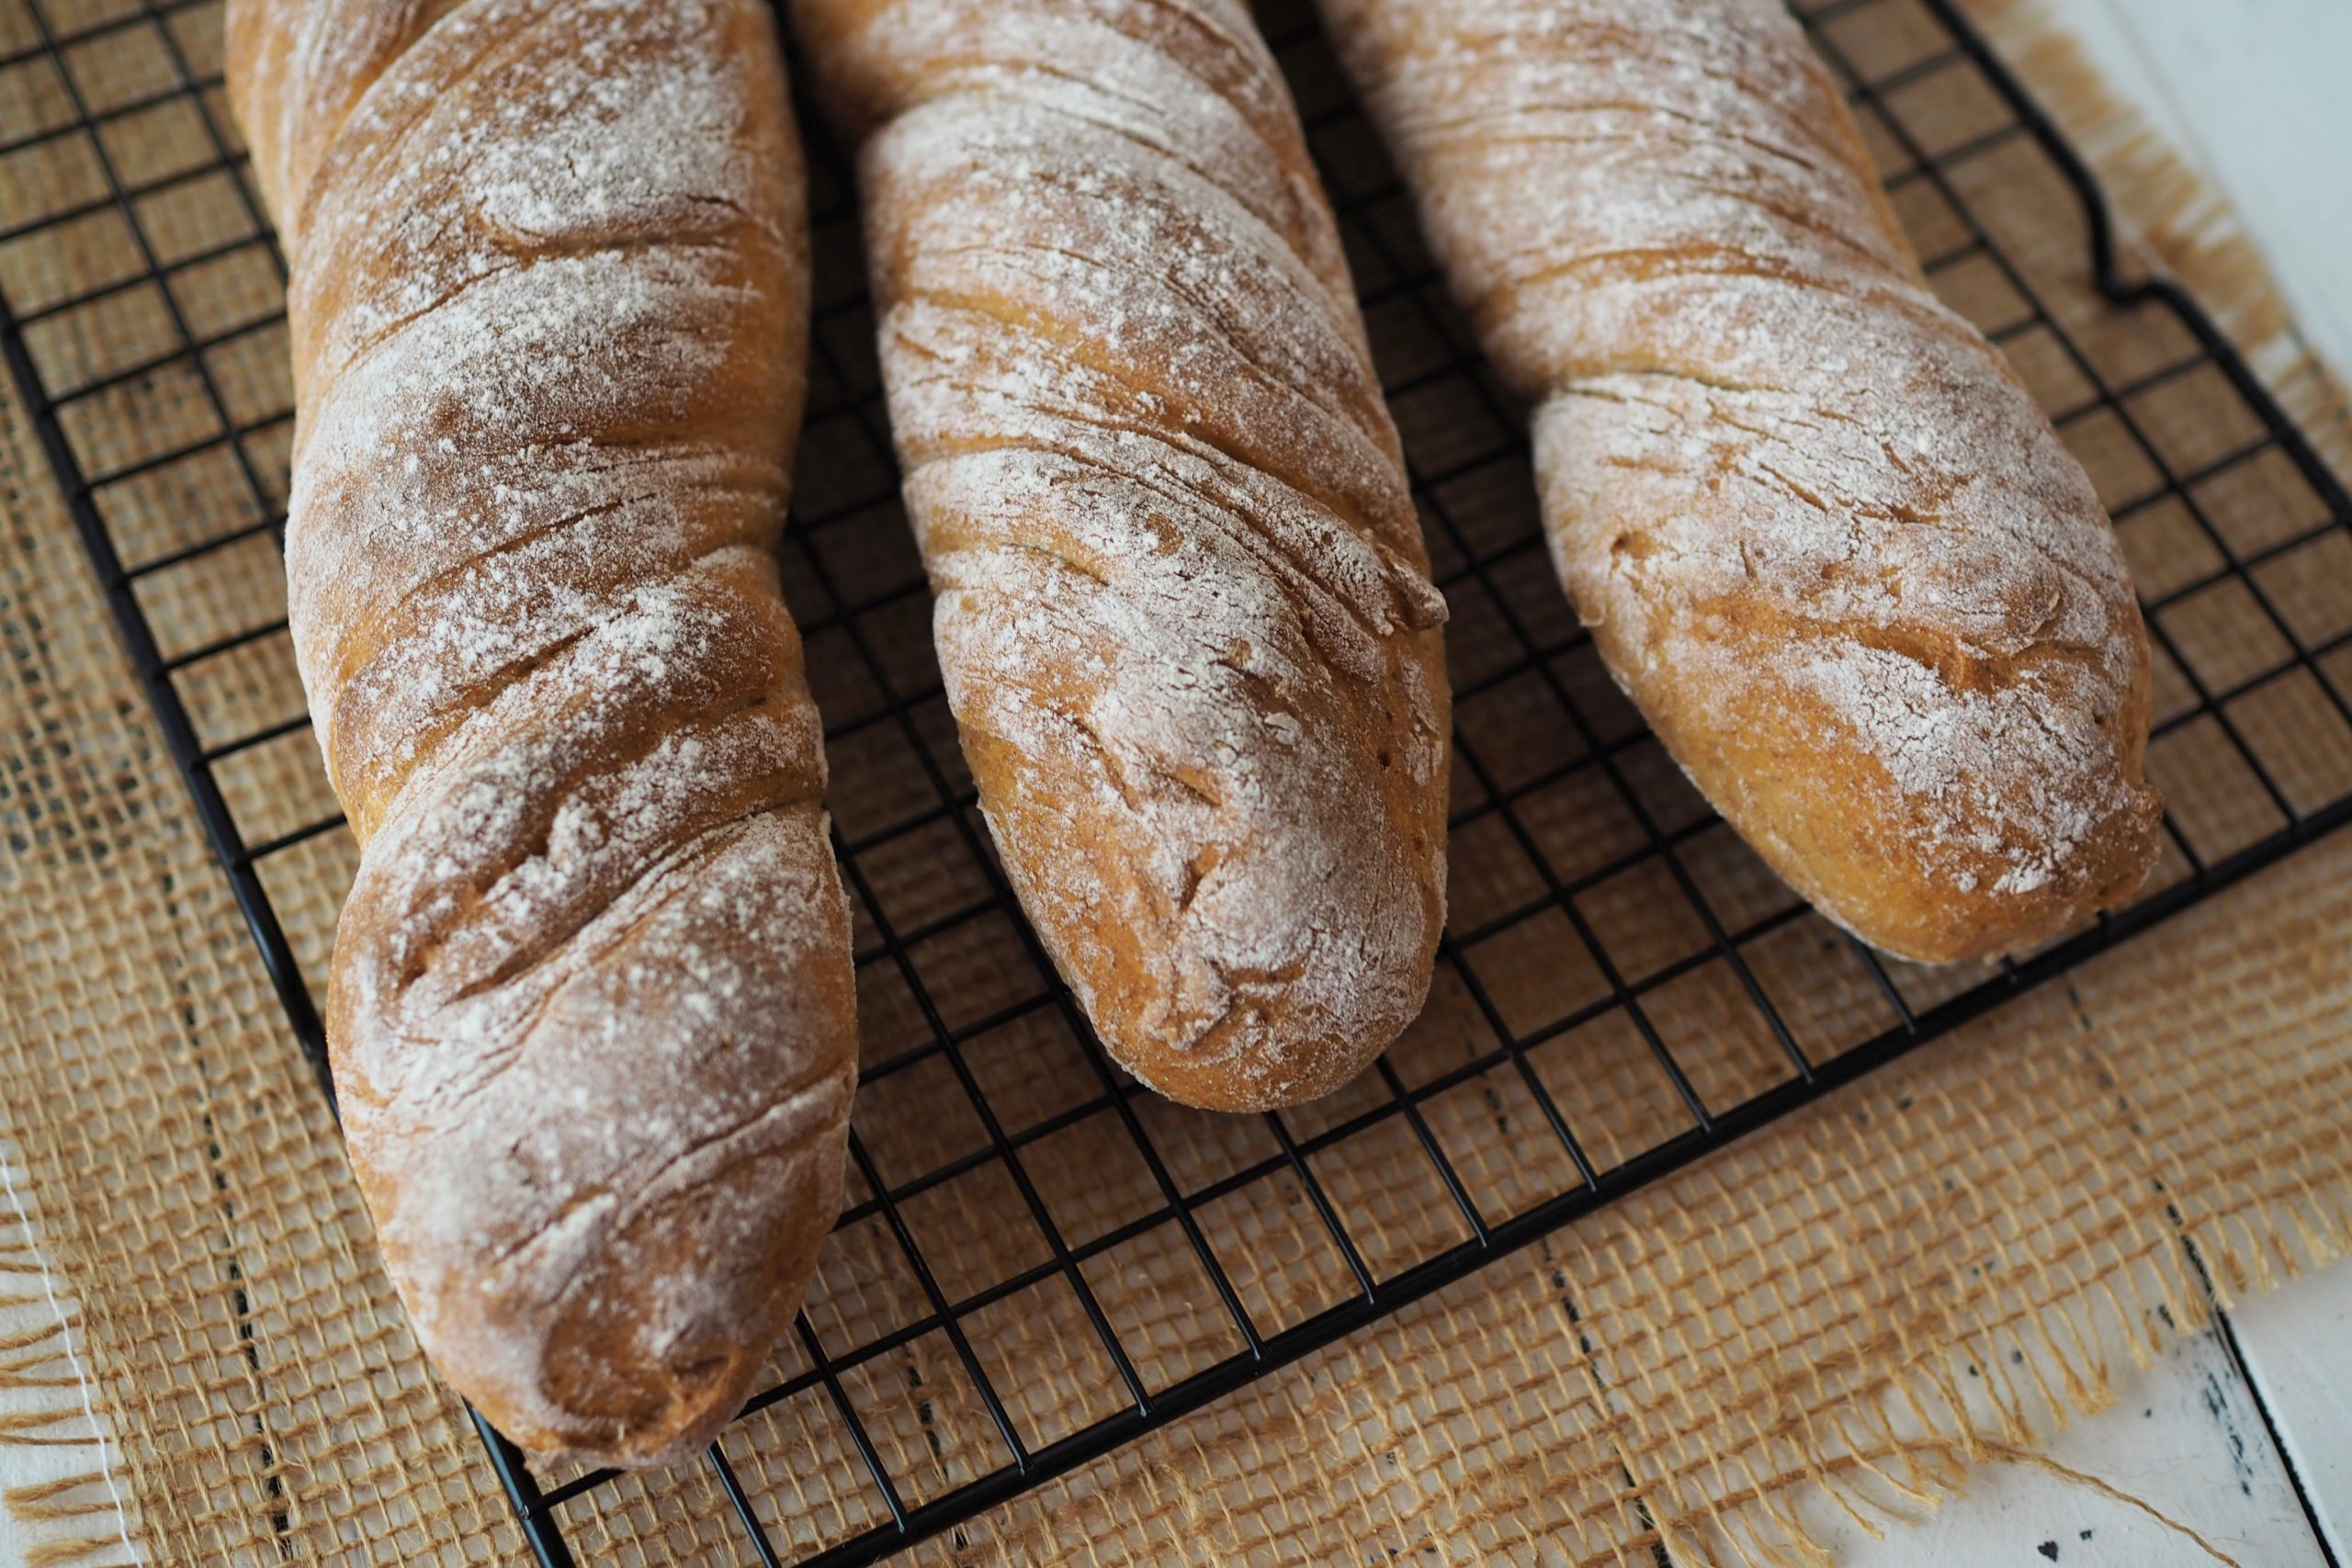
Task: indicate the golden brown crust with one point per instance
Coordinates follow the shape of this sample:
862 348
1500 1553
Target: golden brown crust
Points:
1183 607
591 1010
1818 528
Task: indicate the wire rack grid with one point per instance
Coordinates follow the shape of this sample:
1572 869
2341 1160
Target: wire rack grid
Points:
1039 1261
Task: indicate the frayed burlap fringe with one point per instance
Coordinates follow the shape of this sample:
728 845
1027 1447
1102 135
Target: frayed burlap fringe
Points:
1857 1461
80 1518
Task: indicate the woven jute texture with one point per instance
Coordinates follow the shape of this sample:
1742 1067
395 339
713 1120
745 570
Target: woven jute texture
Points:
1934 1268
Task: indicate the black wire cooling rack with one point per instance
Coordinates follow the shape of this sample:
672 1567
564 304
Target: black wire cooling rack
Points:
1039 1261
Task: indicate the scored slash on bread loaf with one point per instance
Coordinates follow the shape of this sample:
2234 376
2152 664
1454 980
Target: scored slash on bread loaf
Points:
1183 607
1819 529
591 1009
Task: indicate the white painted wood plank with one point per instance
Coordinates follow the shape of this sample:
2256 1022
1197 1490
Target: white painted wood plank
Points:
2297 1342
2184 1435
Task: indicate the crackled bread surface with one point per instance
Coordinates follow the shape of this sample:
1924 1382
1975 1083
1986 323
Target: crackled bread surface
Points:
1819 529
1184 608
591 1007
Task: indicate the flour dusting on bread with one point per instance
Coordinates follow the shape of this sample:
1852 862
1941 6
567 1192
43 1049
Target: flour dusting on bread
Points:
1184 608
592 1004
1821 533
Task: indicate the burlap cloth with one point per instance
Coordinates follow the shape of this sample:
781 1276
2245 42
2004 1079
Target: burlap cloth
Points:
1932 1267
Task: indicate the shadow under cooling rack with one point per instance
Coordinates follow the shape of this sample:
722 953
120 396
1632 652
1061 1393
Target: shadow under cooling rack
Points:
1038 1262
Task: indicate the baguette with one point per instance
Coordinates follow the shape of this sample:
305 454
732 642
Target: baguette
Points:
591 1006
1183 609
1821 532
